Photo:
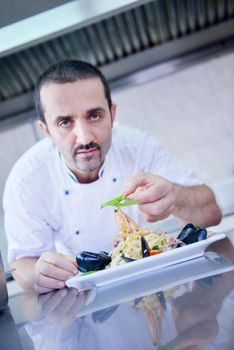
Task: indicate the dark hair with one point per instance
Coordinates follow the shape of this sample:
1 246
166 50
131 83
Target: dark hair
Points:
67 72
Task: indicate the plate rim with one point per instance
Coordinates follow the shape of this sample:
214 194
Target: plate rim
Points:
145 264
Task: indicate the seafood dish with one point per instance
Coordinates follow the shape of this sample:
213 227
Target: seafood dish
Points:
135 243
131 244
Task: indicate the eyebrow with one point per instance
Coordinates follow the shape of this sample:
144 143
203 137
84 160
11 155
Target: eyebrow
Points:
97 109
61 117
88 112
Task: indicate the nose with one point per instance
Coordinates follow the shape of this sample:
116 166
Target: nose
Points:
83 132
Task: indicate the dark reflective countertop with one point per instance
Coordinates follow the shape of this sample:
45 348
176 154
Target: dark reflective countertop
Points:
185 306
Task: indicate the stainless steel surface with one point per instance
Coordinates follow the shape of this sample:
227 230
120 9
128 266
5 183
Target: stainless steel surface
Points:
167 278
190 303
72 16
9 337
3 287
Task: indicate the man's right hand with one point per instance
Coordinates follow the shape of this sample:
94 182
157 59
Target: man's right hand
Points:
52 270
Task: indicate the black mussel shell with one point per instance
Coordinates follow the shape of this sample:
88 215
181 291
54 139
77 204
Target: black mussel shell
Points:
103 315
103 252
201 234
127 259
186 231
144 247
206 282
137 300
88 261
162 299
191 234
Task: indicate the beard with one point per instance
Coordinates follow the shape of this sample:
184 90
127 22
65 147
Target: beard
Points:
90 162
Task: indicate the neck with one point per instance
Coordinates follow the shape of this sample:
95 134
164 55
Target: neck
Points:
87 178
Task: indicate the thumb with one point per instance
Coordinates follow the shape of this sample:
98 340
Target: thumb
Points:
72 259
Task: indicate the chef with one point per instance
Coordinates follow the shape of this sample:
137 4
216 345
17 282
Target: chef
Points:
53 194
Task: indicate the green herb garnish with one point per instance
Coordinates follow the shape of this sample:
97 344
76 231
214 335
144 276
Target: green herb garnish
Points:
87 273
169 346
119 202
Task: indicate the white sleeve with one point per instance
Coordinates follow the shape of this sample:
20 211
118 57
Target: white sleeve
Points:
157 160
28 232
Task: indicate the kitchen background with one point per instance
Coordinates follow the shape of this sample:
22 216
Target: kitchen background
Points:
171 71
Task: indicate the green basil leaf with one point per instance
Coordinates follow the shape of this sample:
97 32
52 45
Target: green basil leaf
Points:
129 202
119 202
114 202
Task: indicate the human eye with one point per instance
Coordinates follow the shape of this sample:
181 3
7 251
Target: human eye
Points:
64 123
95 117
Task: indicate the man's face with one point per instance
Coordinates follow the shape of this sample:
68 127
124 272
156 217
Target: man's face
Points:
79 122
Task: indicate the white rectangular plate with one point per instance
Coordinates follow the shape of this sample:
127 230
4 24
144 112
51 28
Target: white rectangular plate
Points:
173 276
142 266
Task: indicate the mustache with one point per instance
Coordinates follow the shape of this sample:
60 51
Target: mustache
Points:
90 145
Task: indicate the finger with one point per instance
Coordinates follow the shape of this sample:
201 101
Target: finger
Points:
66 312
152 192
72 259
44 298
41 290
137 180
53 271
189 315
48 282
64 309
153 218
198 335
77 305
147 194
159 209
80 301
60 261
57 298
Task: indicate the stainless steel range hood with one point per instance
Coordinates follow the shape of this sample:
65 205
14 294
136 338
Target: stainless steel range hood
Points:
119 36
59 21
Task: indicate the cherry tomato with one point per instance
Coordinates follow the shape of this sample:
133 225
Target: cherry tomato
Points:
154 252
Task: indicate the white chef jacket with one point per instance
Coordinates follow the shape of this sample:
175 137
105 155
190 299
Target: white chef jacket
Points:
47 209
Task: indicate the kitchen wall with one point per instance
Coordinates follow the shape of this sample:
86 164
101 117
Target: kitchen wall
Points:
191 112
14 141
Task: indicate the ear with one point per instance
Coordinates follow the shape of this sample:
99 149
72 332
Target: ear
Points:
44 128
113 112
